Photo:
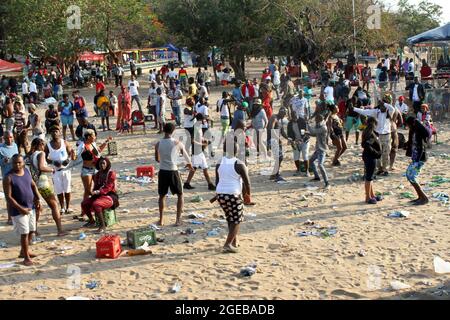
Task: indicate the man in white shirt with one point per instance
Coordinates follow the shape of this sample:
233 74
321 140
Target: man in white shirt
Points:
25 91
329 93
33 92
202 107
277 82
202 90
298 106
402 106
175 96
383 113
387 61
173 75
133 87
151 103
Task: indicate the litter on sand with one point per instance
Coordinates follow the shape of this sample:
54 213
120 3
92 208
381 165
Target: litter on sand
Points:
214 232
324 233
176 288
442 197
197 199
399 214
397 285
441 266
406 195
251 214
154 227
197 222
195 215
249 270
3 244
92 284
8 265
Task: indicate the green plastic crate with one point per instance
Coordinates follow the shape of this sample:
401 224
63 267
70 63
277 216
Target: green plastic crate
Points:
137 238
109 216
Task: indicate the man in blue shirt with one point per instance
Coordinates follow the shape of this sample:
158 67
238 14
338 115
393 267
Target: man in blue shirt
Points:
7 150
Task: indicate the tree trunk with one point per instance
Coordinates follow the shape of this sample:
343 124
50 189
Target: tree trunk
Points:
213 62
238 65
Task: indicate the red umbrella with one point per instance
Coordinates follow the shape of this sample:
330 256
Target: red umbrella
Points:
6 66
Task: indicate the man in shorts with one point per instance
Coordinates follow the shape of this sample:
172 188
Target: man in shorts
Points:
198 157
352 122
66 109
22 196
166 153
299 140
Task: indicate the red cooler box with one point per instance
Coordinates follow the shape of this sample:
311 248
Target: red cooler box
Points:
109 247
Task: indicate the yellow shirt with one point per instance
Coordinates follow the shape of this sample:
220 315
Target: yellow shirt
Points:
103 102
192 90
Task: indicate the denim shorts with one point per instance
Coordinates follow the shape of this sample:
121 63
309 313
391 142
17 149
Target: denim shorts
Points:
86 172
66 120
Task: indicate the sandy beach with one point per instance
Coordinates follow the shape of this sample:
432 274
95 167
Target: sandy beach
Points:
368 252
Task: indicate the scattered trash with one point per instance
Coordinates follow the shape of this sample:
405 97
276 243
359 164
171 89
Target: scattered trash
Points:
195 215
397 285
214 232
441 266
160 239
251 214
309 223
154 227
401 187
362 253
92 284
325 233
303 198
386 193
399 214
42 288
311 188
334 207
249 270
144 210
265 172
176 288
197 222
319 194
82 236
282 182
407 195
8 265
188 231
437 181
197 199
355 177
3 244
442 197
140 251
298 212
2 195
125 211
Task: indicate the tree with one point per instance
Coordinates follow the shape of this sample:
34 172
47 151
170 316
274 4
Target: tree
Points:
412 20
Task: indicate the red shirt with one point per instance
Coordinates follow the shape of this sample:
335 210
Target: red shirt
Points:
251 90
99 87
425 71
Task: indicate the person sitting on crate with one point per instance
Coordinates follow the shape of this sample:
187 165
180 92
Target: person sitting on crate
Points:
103 196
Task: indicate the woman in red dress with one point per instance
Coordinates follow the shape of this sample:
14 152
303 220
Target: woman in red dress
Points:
124 110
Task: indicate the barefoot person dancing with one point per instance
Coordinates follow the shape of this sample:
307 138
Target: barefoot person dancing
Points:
418 137
230 174
166 153
22 196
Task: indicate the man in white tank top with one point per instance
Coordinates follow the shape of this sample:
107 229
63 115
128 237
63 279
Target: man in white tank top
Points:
59 152
232 181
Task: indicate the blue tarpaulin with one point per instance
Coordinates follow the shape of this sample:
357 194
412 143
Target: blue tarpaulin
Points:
171 47
438 34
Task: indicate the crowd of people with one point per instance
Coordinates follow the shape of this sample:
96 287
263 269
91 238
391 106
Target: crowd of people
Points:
261 113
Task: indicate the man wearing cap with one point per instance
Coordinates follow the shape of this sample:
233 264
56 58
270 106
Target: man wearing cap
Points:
383 113
402 107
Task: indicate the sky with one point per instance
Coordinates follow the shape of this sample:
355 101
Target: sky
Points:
445 4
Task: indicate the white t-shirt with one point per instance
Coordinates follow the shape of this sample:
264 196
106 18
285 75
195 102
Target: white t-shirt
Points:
33 87
189 121
173 74
329 93
299 106
203 92
415 93
403 107
203 110
276 78
152 77
223 109
24 88
153 96
133 86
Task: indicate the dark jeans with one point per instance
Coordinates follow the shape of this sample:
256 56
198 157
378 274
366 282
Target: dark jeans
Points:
416 106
